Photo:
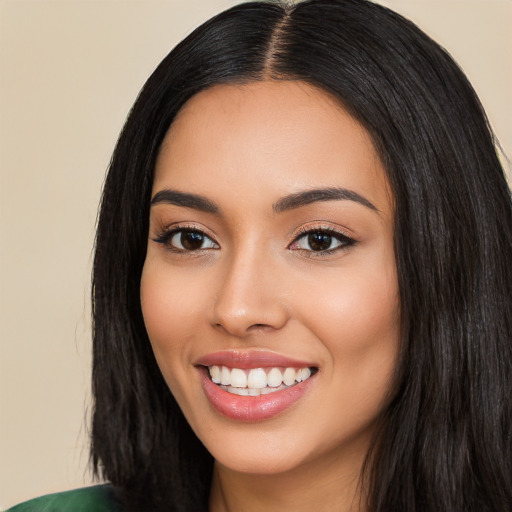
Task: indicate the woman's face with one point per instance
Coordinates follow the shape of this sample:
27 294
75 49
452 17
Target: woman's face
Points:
270 258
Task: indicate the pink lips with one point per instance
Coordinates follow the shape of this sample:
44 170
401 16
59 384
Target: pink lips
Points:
247 360
251 408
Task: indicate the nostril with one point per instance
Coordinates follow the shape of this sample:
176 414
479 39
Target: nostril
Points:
251 328
260 328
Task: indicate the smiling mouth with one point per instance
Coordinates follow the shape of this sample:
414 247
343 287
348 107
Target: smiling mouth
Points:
257 381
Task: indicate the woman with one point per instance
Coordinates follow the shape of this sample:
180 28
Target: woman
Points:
301 287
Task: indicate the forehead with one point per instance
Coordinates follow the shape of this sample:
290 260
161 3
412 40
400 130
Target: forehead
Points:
268 138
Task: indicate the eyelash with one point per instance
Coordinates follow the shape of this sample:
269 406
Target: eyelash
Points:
344 240
166 236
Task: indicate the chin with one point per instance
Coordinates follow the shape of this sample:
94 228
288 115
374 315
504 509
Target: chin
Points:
255 462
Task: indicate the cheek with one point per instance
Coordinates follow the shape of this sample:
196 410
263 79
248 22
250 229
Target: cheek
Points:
356 311
171 307
360 332
358 323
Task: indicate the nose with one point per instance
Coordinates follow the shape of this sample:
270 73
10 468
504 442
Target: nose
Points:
250 297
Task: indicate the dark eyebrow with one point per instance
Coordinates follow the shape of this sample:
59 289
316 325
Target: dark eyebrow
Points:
286 203
323 194
184 199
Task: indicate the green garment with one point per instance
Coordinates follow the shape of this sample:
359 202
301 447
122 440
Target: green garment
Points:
99 498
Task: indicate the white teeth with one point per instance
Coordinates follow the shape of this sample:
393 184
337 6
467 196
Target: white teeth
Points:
238 378
274 378
238 391
266 391
257 378
215 374
289 376
225 376
256 381
305 373
251 391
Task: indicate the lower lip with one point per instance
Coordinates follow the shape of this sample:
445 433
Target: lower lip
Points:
252 408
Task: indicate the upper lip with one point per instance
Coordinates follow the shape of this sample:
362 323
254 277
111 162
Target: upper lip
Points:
245 359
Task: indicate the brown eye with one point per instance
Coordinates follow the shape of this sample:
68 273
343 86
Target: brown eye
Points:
190 240
319 241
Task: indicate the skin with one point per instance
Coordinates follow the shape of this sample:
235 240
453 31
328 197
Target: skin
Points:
259 285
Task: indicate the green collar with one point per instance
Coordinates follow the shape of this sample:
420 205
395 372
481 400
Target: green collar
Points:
99 498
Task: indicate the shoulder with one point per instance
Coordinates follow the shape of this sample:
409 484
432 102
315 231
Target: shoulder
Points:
99 498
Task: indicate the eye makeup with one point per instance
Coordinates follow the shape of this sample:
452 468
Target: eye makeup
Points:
318 241
311 241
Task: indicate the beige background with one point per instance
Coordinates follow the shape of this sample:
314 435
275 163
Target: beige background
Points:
69 72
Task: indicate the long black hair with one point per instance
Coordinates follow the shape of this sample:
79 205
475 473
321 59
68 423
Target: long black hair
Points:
444 441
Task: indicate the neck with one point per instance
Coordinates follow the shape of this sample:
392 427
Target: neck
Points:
319 487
